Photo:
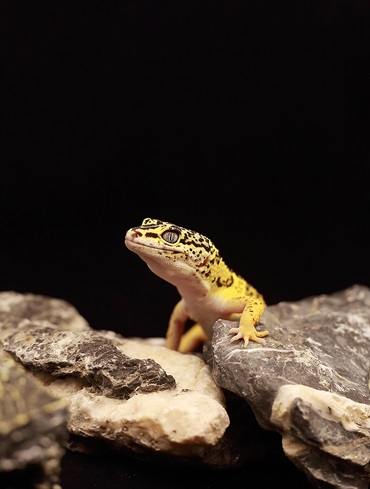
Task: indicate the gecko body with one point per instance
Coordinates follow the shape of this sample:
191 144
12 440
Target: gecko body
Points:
209 289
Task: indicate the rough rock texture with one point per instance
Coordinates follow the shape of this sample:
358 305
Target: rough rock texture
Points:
17 310
89 355
119 393
309 382
186 422
122 394
33 423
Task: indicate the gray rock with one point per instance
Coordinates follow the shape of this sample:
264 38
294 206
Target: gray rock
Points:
120 396
32 425
17 310
88 355
309 382
186 423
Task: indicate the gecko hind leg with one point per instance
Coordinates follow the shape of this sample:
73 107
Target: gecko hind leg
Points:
192 339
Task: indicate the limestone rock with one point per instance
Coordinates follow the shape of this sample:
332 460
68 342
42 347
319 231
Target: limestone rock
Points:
129 394
309 382
317 423
187 422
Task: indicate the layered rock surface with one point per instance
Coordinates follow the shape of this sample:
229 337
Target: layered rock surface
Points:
128 394
33 423
309 382
118 390
89 356
17 310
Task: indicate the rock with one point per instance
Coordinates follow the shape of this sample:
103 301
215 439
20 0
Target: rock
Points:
326 435
88 355
309 382
129 394
32 425
134 396
16 310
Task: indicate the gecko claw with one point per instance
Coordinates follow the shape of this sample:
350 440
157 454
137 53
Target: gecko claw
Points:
253 336
238 335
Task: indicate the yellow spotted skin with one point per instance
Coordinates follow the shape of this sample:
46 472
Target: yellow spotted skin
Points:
209 289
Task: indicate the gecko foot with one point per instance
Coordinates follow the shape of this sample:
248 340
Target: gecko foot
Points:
252 335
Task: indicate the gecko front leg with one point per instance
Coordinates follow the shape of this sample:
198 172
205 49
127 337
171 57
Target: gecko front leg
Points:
246 330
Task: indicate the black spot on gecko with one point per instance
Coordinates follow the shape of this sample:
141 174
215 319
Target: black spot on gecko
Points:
196 244
150 223
225 282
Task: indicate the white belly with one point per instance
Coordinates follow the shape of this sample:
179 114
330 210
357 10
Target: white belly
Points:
206 311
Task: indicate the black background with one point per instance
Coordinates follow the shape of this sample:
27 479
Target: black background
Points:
246 121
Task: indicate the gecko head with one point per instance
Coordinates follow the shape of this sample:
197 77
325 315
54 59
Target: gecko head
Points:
171 250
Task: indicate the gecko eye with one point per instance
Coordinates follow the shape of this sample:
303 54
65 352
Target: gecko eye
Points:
170 236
